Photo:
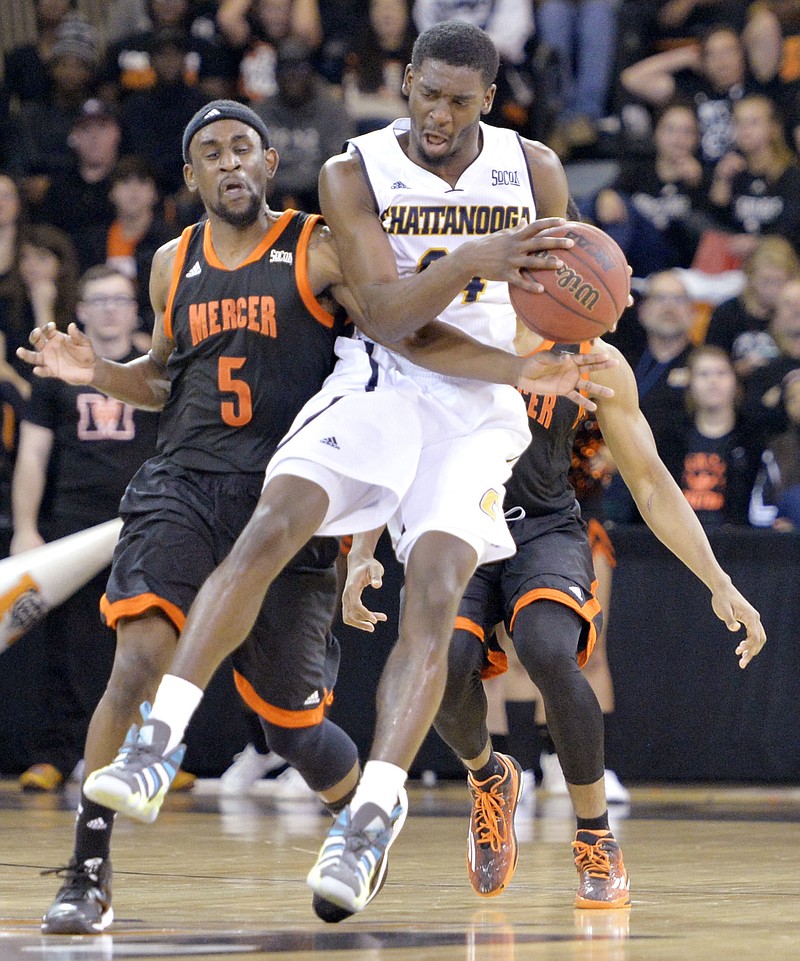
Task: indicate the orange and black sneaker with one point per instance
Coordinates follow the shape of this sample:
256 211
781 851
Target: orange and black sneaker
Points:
604 882
183 781
41 777
492 842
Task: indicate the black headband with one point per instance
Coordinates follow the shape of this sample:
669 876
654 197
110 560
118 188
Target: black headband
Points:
223 110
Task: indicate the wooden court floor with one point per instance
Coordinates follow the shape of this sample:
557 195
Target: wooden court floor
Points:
715 875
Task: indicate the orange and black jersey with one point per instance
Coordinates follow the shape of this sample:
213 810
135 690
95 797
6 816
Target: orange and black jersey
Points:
539 483
252 345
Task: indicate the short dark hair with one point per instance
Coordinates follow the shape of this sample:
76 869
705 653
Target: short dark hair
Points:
132 167
459 44
100 272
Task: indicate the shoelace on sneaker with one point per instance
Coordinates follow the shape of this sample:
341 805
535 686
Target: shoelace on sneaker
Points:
491 826
593 858
73 872
357 842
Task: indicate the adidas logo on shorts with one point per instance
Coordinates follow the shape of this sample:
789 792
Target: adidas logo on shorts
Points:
331 442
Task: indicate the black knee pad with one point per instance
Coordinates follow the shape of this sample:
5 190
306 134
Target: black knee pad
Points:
323 754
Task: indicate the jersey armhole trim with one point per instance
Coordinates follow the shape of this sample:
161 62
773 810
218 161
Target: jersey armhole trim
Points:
528 168
313 306
177 267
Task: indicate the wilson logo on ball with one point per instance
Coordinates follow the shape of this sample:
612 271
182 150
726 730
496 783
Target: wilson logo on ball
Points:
585 296
583 292
591 248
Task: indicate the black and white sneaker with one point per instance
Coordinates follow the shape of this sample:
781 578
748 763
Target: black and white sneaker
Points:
83 903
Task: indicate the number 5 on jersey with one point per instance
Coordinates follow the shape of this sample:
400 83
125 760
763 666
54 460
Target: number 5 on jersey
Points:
238 412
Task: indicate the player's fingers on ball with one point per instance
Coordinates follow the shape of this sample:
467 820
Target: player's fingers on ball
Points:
545 261
544 224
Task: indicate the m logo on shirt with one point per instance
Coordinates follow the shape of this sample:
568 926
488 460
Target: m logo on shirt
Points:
104 418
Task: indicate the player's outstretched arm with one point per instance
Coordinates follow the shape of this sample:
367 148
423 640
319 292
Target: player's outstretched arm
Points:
71 357
664 508
363 570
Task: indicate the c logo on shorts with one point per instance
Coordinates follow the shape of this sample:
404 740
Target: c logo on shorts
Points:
490 503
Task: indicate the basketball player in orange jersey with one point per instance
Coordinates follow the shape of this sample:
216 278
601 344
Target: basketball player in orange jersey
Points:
544 595
244 334
385 439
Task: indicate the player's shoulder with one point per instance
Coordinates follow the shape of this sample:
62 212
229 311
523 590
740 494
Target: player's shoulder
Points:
165 255
344 162
540 155
322 263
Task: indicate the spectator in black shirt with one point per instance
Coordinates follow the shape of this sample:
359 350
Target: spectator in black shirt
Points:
763 402
713 75
756 187
740 325
720 456
77 201
656 209
208 64
152 119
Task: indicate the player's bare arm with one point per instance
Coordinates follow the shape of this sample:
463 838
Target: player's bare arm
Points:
400 306
662 505
70 356
446 350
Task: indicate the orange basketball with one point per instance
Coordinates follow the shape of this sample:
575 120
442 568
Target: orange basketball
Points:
584 298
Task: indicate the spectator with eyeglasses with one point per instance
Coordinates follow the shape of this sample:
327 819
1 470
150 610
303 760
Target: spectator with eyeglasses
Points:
77 451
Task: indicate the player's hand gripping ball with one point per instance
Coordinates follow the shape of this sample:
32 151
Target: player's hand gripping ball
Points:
583 299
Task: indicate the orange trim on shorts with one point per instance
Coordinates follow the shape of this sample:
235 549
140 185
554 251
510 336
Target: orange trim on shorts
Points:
313 306
600 542
278 715
465 624
136 606
257 253
177 269
587 611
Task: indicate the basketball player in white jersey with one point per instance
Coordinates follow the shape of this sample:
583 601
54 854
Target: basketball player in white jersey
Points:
432 221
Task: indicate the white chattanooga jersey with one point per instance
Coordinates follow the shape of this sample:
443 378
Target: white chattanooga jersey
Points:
425 218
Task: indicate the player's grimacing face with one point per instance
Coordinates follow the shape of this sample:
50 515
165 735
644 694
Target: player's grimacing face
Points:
230 170
445 103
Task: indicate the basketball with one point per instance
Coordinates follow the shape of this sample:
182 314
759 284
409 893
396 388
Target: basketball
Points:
584 298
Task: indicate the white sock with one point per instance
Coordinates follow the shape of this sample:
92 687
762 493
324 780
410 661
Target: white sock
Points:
175 703
380 783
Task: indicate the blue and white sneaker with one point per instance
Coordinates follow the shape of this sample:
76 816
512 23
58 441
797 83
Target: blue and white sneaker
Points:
137 780
353 860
